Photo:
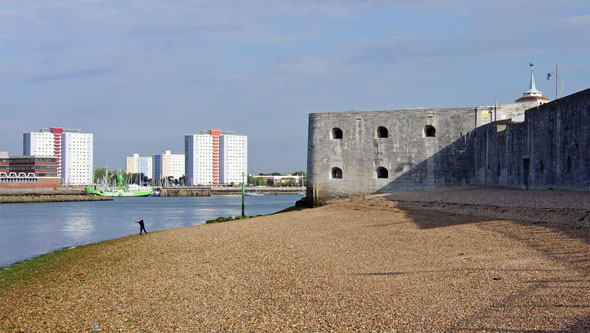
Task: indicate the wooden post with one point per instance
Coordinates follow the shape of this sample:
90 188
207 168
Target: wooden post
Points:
315 195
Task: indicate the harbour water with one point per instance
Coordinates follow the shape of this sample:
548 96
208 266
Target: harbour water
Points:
30 230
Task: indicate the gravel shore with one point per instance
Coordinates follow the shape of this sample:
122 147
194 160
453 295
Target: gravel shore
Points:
468 259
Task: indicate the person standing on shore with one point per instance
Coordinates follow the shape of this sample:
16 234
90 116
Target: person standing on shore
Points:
141 226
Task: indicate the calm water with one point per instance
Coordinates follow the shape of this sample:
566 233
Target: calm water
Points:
30 230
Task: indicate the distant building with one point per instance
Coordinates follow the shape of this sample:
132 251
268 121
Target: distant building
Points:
131 163
28 172
233 158
216 157
139 164
166 165
272 180
77 159
74 152
144 165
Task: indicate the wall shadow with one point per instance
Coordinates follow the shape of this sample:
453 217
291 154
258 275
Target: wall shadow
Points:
550 149
552 239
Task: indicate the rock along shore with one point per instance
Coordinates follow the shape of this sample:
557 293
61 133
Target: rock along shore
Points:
41 198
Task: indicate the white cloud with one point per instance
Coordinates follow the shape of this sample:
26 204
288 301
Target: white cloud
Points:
246 66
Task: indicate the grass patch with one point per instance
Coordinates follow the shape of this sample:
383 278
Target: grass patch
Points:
231 218
39 267
34 268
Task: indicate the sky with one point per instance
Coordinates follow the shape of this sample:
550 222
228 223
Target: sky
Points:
142 74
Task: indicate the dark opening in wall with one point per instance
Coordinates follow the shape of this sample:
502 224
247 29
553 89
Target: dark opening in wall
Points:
337 133
336 173
382 172
429 131
382 132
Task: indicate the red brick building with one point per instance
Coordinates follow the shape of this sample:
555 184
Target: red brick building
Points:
28 172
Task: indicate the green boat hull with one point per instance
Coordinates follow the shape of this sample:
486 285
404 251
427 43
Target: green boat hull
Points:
120 193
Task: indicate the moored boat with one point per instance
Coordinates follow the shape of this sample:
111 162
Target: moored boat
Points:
125 191
120 190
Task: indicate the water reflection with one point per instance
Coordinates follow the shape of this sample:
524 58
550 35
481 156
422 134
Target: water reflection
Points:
28 230
78 226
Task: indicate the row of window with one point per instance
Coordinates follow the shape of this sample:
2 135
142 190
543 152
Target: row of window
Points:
28 167
381 173
382 132
18 180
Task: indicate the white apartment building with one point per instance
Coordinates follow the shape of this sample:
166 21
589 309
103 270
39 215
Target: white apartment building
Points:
167 164
144 165
139 164
77 158
233 157
216 157
131 163
74 152
198 152
46 142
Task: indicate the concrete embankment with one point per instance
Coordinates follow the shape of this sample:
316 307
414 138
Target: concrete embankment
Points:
57 195
209 191
185 192
267 190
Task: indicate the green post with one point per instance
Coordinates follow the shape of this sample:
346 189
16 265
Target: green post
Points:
243 197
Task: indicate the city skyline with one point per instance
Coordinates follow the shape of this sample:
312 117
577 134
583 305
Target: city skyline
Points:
142 75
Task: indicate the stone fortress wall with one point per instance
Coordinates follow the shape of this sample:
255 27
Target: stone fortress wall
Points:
355 153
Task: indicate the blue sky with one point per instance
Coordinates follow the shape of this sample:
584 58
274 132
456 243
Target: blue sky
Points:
140 74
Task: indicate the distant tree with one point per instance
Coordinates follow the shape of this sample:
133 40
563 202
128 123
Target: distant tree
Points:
299 173
259 181
276 174
99 174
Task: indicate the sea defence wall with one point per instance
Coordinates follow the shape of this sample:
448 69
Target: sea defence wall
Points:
550 149
185 192
219 190
351 154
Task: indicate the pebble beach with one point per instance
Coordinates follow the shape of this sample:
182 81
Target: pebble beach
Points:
467 259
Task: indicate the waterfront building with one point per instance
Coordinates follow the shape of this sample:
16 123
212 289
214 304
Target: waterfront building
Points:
166 165
272 180
72 149
131 163
139 164
28 172
233 161
144 165
77 158
216 157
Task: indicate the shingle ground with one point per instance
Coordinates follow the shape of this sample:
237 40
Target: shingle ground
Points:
426 263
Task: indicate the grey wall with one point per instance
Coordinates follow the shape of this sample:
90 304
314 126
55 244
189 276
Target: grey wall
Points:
467 149
406 153
554 141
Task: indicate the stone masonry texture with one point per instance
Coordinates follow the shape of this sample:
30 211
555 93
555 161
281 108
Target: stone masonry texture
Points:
470 146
